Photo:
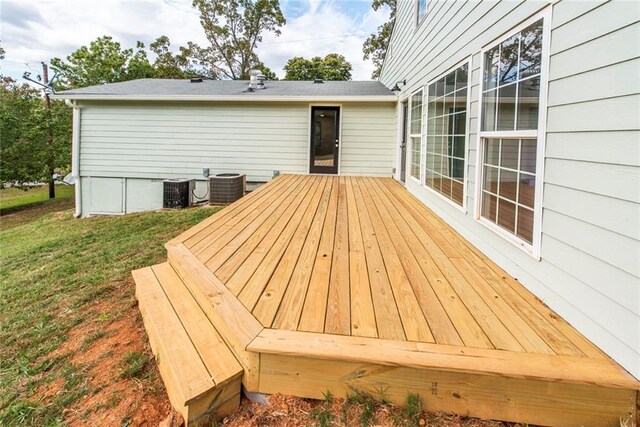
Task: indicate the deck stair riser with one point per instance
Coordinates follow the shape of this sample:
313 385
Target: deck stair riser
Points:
234 322
201 375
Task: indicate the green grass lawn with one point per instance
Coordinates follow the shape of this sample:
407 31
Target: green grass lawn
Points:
52 268
12 199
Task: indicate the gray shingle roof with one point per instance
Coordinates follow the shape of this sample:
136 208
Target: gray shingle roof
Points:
163 88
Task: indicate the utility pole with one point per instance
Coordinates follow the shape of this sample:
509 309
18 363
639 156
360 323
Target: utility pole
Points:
47 107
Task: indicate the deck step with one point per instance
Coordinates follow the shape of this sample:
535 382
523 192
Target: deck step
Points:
201 374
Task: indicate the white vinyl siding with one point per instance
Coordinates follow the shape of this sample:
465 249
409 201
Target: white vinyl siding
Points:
178 140
368 141
588 269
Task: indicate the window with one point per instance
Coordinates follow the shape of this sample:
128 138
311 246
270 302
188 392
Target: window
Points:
421 10
415 134
512 72
446 134
508 188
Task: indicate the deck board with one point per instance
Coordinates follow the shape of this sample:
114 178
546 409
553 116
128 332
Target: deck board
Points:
361 256
351 284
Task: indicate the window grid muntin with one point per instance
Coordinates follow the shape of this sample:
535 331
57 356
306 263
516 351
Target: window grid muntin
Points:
441 126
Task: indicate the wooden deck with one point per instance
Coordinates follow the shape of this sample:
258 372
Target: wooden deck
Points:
353 285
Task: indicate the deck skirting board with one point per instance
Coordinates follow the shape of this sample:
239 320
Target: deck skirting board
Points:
476 395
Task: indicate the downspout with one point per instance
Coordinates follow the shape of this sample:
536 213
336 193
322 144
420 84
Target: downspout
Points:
75 157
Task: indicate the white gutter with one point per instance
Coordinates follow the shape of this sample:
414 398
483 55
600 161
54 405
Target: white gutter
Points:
75 157
239 98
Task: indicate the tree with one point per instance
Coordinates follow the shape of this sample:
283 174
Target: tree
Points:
266 71
375 46
169 65
25 155
331 67
234 28
104 61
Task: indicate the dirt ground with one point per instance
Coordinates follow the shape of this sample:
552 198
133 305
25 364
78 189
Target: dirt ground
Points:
97 349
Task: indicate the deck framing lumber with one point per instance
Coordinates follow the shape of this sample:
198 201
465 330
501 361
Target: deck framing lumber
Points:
468 394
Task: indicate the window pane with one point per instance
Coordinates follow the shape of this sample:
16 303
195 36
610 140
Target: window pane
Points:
431 109
531 50
509 153
422 9
458 147
506 107
416 113
509 60
489 110
491 68
462 77
528 155
445 188
507 215
457 169
508 184
461 99
490 179
527 190
489 207
525 224
450 82
528 100
492 151
457 192
440 87
415 156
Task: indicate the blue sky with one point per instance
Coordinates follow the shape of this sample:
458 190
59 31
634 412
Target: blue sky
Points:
42 29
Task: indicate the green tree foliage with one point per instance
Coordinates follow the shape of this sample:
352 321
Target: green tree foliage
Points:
169 65
331 67
266 71
25 155
103 61
234 28
375 46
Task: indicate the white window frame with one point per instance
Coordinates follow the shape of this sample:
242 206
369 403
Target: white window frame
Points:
410 136
539 134
425 138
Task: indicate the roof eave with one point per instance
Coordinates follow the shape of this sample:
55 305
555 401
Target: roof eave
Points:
245 98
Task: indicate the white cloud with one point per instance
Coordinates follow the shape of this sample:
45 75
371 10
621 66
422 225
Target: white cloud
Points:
324 28
43 29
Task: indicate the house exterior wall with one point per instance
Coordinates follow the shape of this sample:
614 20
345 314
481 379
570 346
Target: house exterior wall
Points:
140 144
589 265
